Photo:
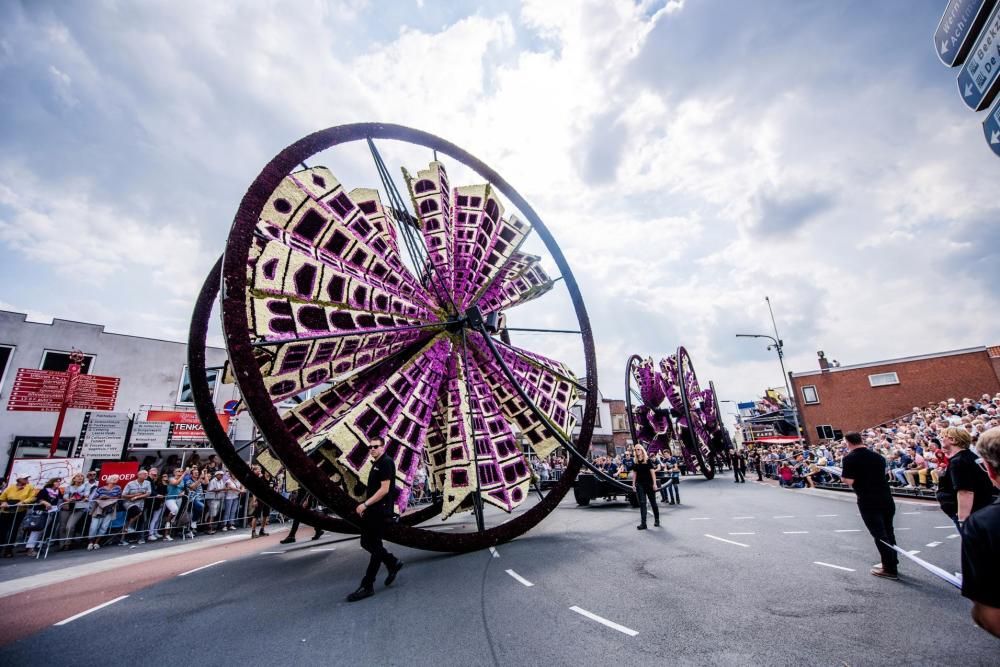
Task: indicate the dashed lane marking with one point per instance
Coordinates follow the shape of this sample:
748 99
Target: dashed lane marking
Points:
91 610
795 532
722 539
737 518
835 567
493 550
826 515
951 526
519 578
197 569
911 512
741 533
323 549
848 530
901 529
932 544
700 518
952 536
783 516
603 621
914 552
271 552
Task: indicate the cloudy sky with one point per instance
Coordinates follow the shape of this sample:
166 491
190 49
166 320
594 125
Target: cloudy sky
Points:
690 157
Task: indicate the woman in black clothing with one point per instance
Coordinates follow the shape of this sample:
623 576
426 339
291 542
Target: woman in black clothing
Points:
644 485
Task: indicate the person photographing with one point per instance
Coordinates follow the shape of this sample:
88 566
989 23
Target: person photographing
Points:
375 512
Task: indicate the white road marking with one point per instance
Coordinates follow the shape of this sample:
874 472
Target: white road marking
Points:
603 621
848 530
932 544
700 518
783 516
184 574
824 515
91 610
835 567
741 533
323 549
914 552
909 512
271 552
722 539
737 518
519 578
950 526
901 529
795 532
952 536
493 550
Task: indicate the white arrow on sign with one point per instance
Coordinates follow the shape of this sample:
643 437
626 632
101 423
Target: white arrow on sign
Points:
944 46
968 89
995 137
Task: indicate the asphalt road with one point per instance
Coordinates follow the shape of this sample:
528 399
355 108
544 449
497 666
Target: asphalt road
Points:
738 574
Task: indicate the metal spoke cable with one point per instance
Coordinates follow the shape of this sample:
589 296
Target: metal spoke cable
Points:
397 201
565 442
344 334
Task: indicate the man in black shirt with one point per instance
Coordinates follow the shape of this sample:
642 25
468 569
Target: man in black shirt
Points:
864 471
981 545
374 512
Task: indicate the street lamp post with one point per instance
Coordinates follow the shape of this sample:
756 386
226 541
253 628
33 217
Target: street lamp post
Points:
777 344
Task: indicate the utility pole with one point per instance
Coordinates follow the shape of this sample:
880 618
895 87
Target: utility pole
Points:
781 360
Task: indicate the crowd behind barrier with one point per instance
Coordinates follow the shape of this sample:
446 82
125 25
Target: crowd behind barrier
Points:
81 513
911 446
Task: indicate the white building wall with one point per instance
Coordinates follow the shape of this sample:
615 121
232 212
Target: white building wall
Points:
150 372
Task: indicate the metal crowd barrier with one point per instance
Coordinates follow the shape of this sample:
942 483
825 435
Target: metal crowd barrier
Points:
64 528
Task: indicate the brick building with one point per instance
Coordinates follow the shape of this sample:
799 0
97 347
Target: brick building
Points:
837 399
621 437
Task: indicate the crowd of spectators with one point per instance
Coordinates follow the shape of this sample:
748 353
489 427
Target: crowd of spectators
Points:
81 512
913 446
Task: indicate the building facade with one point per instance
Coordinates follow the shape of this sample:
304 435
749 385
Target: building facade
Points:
153 377
837 399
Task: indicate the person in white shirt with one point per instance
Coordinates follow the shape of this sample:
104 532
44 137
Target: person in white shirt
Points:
214 496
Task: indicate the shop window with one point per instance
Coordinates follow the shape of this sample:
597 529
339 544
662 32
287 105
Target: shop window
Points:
184 394
883 379
53 360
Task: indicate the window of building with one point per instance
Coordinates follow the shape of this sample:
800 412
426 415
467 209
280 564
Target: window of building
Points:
53 360
6 354
883 379
809 394
825 432
619 422
184 395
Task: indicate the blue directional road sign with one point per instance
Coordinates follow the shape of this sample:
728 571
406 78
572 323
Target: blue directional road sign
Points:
991 128
978 80
958 27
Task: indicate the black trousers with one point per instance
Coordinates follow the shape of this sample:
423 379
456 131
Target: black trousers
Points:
372 527
879 524
760 474
739 474
643 492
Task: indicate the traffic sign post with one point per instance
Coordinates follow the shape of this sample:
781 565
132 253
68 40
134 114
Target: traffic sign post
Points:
978 80
991 128
958 27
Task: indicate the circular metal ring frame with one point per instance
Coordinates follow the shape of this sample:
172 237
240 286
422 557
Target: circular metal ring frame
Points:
630 366
251 384
698 446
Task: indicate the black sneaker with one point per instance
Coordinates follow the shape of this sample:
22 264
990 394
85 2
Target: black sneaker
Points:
287 540
393 571
319 534
361 594
641 526
656 524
